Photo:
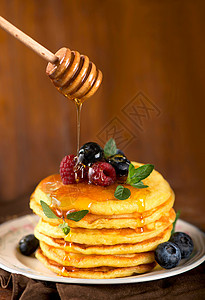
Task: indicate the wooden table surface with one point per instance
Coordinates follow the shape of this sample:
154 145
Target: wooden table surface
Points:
151 101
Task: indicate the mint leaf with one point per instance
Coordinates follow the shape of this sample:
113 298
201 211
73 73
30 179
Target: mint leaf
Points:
142 172
77 215
122 193
139 185
131 172
174 223
110 148
48 211
65 228
136 175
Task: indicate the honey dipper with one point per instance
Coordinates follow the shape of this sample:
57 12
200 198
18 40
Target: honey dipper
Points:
74 75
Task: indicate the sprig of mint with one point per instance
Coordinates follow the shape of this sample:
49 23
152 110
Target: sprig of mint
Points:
174 223
65 228
110 148
134 179
136 175
122 193
75 216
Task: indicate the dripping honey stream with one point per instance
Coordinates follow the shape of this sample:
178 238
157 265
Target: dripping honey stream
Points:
76 77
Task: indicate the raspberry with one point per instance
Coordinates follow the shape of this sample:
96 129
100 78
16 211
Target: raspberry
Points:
102 173
67 169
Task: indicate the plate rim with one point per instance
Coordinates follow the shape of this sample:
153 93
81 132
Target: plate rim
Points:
122 280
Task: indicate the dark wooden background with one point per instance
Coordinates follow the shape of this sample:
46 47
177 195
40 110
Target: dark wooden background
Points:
148 50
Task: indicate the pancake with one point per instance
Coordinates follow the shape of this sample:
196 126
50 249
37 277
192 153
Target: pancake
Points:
93 273
101 201
93 261
115 239
145 246
109 236
91 221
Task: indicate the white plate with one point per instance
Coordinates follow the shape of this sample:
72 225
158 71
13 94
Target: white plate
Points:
11 260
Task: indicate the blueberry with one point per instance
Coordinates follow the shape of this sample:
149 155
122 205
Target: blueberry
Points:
184 242
90 153
120 152
28 244
167 255
120 163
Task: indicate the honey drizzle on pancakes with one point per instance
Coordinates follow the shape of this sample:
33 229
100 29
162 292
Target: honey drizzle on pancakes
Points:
79 196
67 244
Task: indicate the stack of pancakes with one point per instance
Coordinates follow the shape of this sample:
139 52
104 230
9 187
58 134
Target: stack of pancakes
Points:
116 238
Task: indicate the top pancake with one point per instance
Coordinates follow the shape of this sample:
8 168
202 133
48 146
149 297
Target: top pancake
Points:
100 200
91 221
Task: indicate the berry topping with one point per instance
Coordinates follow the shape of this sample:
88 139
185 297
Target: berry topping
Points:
90 153
184 242
120 152
167 255
102 173
81 172
28 244
120 163
67 169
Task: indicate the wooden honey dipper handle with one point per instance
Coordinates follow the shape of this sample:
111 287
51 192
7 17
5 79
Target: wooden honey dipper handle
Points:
28 41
